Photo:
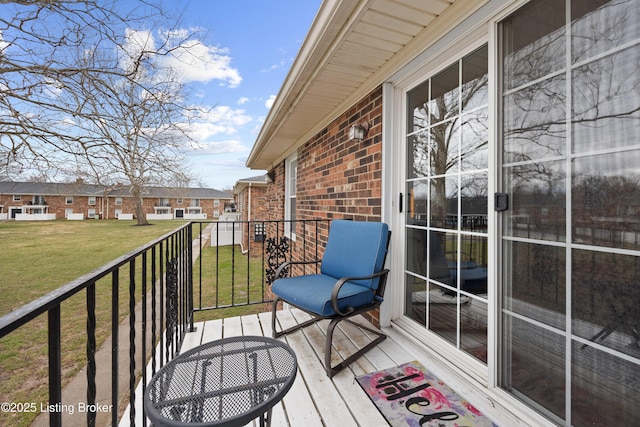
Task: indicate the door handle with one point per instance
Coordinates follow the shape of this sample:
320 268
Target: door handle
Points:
501 202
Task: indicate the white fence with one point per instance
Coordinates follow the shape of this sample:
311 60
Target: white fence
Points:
75 216
35 217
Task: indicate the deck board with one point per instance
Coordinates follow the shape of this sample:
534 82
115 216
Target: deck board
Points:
315 399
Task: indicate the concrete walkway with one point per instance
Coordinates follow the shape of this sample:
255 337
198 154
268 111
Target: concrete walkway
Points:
74 394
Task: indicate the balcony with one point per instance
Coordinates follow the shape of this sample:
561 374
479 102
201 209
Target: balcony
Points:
161 300
314 399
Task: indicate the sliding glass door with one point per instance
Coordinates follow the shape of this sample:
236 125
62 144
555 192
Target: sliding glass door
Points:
446 204
570 238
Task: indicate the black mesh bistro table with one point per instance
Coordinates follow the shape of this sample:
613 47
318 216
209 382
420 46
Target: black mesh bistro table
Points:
228 382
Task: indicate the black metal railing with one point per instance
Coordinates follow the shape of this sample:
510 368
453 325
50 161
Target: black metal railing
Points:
154 292
241 257
153 284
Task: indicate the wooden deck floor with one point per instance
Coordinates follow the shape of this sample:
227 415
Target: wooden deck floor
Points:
314 399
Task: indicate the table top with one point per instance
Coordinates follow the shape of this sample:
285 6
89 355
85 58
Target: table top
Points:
227 382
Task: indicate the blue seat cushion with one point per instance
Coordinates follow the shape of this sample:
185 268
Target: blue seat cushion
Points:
313 293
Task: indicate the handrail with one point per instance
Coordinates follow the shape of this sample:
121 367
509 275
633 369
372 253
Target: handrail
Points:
170 268
29 311
159 286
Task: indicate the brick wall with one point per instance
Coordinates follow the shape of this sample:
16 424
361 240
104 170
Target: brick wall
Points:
55 204
275 193
107 206
257 195
337 178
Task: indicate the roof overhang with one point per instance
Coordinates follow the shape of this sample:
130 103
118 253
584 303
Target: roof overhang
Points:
352 47
244 183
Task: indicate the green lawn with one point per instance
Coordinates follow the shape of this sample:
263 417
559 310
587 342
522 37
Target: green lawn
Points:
216 290
40 257
36 258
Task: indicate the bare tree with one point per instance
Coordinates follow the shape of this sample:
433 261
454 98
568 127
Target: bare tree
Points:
37 42
138 125
83 90
437 148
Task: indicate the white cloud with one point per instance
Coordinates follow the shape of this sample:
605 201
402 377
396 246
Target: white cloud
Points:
220 147
193 60
3 44
197 62
269 102
258 125
225 115
204 130
220 120
276 66
136 42
243 100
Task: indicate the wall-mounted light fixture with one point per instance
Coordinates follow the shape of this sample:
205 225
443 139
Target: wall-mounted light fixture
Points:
358 131
271 176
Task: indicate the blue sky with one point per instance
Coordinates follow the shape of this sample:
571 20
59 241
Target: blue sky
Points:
233 68
252 44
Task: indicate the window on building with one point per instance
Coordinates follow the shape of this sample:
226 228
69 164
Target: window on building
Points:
163 201
195 202
68 200
291 172
38 200
179 201
118 201
92 202
17 197
216 203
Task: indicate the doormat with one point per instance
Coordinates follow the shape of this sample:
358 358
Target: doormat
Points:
409 395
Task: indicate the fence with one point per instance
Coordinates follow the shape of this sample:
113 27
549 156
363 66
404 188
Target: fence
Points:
152 294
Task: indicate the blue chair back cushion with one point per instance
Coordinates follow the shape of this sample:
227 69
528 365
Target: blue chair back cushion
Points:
355 249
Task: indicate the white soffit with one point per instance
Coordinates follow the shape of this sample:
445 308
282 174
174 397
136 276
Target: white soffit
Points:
348 43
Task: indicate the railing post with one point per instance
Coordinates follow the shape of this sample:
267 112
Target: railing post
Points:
132 341
115 324
200 265
55 364
91 354
189 267
143 341
154 317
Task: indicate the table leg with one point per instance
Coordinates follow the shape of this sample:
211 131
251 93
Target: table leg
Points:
265 419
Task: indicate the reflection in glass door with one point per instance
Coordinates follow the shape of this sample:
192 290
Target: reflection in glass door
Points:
571 238
446 204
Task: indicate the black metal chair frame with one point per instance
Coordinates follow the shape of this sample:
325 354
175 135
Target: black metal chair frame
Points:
339 316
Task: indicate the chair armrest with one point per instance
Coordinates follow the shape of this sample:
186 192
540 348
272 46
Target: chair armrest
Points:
342 281
285 264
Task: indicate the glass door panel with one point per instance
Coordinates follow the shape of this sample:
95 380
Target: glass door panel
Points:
570 240
446 205
538 200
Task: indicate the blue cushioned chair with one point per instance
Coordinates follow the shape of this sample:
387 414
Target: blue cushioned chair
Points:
351 281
